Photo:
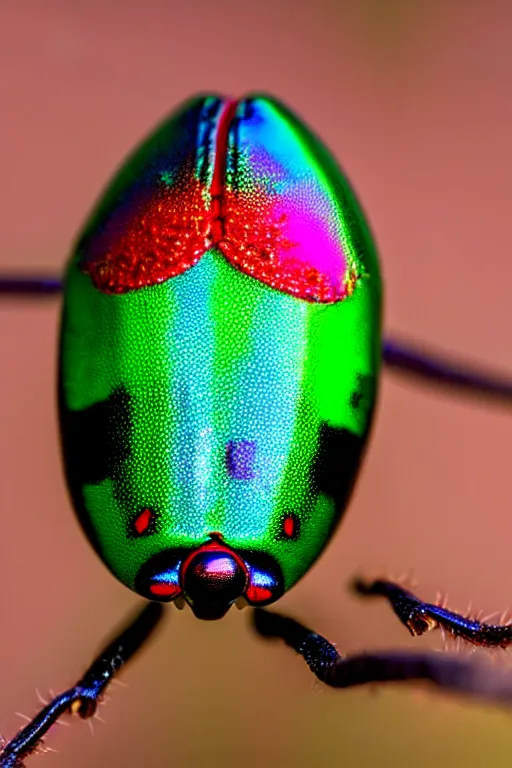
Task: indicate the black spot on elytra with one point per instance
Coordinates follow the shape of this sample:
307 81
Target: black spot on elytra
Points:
96 440
363 393
336 463
95 445
355 399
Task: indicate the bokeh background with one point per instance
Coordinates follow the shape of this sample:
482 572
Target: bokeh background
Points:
414 99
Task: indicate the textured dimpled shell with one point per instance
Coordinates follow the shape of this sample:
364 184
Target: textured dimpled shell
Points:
282 220
155 220
220 342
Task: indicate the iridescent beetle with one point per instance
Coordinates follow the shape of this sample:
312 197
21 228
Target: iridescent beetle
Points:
220 350
219 355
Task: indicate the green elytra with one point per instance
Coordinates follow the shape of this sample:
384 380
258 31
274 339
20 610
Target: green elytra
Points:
157 382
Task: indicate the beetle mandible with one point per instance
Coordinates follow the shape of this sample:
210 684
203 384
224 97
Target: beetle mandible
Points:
219 359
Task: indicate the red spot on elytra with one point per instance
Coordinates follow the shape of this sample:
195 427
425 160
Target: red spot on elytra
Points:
289 526
143 521
164 590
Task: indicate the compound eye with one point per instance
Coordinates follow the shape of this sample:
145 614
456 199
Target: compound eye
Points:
212 581
261 588
265 580
159 578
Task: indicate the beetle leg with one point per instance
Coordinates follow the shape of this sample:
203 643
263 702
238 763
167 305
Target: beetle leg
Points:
30 285
420 617
442 370
449 672
84 697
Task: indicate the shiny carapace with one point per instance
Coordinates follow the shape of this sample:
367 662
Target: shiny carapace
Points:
220 348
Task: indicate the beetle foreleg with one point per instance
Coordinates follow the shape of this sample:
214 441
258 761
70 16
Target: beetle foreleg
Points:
84 697
431 367
451 673
30 285
420 617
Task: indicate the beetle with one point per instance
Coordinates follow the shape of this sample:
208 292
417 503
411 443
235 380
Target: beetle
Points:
216 387
220 351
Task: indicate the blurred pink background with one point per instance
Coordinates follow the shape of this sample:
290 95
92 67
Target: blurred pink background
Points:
414 99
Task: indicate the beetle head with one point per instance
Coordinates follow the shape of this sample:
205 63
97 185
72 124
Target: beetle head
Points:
211 577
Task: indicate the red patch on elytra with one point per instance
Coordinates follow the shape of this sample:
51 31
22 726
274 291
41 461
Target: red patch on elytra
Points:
163 237
254 240
160 232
